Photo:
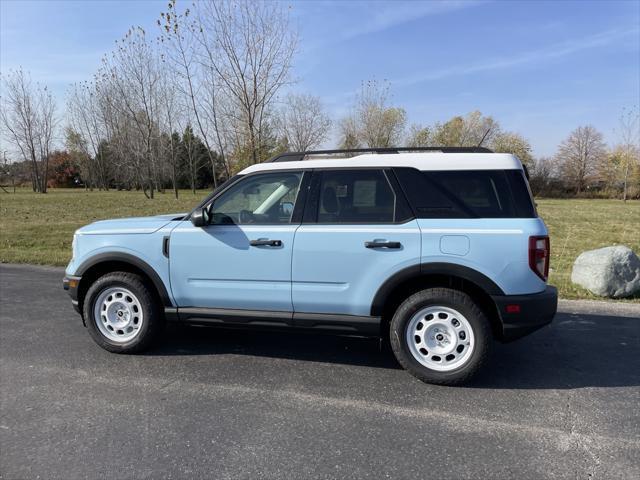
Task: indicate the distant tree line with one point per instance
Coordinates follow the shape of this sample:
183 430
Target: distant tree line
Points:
205 95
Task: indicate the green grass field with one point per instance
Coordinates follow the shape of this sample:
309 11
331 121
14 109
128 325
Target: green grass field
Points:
38 228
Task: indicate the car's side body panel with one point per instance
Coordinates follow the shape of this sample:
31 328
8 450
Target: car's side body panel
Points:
147 247
495 247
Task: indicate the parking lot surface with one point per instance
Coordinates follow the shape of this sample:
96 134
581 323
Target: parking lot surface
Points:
209 403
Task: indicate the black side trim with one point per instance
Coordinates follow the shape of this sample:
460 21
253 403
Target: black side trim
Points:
353 324
465 273
227 315
132 260
301 200
312 200
330 321
427 269
76 307
165 246
377 306
66 284
536 311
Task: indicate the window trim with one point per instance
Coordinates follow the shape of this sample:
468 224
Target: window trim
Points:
310 216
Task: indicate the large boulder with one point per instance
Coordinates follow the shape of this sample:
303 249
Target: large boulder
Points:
608 272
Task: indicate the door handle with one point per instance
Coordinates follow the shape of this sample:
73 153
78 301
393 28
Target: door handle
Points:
382 244
265 243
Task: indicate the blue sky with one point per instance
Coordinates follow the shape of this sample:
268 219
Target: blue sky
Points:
541 68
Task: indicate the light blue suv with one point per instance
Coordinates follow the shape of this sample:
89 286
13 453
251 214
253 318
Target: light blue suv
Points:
439 250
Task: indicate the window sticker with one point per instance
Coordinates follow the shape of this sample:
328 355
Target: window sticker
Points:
364 193
341 191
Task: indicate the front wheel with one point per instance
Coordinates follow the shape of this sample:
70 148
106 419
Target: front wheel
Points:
440 336
121 313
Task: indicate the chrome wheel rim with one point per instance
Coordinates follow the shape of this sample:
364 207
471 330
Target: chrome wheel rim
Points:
118 314
440 338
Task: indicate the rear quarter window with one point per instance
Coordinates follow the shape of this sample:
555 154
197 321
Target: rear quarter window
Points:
467 193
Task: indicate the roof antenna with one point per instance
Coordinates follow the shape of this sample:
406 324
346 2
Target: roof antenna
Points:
484 136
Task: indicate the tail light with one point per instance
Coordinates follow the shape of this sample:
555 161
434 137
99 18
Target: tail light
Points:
539 252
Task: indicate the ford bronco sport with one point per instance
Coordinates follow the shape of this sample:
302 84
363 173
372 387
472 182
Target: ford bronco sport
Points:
439 250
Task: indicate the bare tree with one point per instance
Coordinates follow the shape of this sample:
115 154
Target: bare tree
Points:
28 116
544 172
380 125
472 130
418 136
189 146
86 118
170 108
249 47
7 170
179 37
373 122
630 137
579 154
77 148
349 133
133 73
303 122
509 142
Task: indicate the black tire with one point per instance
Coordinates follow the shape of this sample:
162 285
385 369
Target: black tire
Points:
153 316
455 300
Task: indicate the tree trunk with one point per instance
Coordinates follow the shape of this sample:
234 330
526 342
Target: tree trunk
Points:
626 178
45 173
173 179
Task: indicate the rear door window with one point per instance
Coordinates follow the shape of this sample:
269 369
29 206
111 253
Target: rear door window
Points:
355 196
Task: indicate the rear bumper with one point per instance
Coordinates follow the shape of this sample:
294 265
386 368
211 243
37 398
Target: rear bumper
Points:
522 314
71 283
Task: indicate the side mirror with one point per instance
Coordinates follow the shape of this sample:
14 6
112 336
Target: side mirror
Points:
200 217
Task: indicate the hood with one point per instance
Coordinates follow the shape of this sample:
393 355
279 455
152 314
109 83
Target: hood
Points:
129 225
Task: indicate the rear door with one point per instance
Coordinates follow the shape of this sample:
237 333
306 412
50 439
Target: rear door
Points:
242 259
356 233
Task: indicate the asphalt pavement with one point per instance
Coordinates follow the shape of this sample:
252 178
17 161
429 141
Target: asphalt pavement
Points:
209 403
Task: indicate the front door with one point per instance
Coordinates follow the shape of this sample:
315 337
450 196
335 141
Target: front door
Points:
242 259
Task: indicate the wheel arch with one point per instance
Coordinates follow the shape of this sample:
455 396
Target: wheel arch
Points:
103 263
431 275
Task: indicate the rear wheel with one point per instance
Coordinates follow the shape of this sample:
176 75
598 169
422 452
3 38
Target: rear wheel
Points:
121 313
440 336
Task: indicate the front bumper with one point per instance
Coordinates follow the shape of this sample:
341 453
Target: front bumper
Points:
71 284
522 314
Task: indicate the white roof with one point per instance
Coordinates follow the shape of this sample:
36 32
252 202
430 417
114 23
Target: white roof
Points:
420 161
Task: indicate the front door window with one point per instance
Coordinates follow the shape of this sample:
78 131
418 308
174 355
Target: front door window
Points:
265 199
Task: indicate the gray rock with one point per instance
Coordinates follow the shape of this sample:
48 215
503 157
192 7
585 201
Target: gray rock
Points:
608 272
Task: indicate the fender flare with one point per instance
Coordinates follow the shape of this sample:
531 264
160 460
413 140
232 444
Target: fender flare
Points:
132 260
426 269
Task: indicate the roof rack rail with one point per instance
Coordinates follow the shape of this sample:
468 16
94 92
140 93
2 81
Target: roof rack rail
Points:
296 156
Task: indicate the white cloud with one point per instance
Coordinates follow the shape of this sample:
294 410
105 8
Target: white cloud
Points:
398 13
526 58
349 20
